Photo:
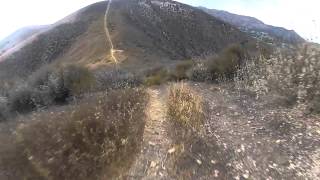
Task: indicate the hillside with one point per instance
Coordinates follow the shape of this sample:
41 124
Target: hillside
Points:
19 36
144 31
257 28
156 89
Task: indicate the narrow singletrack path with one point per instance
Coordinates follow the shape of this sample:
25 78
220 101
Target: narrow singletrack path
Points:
150 163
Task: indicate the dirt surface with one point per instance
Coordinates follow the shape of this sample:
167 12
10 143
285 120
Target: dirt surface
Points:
261 139
244 138
150 164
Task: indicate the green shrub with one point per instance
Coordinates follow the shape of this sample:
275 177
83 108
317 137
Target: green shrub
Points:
116 79
22 101
185 106
77 79
50 86
157 78
72 79
94 139
181 70
200 73
226 63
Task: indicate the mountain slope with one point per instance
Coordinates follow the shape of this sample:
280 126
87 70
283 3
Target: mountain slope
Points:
171 28
142 31
47 46
19 36
256 27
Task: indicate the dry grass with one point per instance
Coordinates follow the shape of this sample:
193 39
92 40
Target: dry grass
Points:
94 139
293 75
185 106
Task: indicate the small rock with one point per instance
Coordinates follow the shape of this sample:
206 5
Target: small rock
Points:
172 150
242 148
218 114
278 141
246 176
152 143
153 164
124 141
216 173
213 162
199 162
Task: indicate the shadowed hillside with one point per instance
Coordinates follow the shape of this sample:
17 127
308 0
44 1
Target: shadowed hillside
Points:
257 28
173 29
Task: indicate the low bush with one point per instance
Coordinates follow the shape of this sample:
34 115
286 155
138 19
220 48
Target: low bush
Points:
22 101
59 81
94 139
50 86
157 77
199 72
185 107
116 79
226 63
181 70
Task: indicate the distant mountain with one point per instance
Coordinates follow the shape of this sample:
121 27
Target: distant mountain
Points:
256 28
146 32
19 36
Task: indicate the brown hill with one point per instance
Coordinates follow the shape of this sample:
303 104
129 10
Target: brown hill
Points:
146 31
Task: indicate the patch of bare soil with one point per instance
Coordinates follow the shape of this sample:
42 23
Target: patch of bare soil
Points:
260 139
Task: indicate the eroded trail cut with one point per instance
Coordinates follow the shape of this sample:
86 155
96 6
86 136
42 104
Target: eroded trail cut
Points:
150 164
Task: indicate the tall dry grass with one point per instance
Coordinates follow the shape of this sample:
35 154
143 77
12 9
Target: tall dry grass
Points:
185 106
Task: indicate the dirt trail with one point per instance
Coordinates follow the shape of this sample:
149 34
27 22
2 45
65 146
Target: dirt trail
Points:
150 164
108 37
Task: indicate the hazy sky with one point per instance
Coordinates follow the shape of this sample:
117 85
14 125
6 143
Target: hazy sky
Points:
301 15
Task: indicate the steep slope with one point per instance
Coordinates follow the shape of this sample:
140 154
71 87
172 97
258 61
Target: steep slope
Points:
169 28
19 36
47 46
256 27
142 32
